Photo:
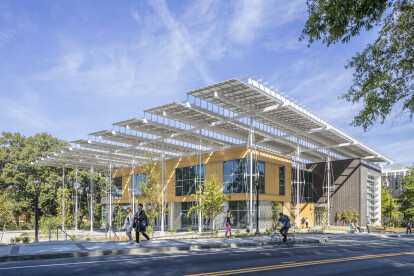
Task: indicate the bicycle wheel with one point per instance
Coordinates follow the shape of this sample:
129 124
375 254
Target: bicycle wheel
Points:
276 240
290 240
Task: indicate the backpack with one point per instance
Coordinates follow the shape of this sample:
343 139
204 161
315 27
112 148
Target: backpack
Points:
288 221
143 224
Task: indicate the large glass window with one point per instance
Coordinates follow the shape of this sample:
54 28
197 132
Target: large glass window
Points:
192 220
136 184
187 179
305 187
235 176
282 180
117 187
240 212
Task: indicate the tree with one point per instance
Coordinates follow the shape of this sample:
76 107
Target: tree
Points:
406 199
210 200
151 190
18 173
6 207
389 209
337 217
383 75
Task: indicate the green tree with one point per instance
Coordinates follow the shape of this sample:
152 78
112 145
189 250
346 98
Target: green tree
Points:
6 207
152 190
406 199
337 217
389 209
210 200
383 75
18 173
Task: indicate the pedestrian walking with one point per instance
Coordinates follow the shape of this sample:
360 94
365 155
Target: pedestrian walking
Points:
307 222
302 221
409 225
141 223
368 224
129 221
228 221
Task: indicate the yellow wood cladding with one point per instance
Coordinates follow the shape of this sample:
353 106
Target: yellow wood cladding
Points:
214 166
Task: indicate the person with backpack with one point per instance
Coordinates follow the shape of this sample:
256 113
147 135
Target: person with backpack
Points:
368 224
228 221
128 224
285 221
409 225
140 224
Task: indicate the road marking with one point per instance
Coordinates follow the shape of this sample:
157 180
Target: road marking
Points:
274 267
198 253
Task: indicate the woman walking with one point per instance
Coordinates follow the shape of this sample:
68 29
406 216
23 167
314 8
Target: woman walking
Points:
228 221
129 221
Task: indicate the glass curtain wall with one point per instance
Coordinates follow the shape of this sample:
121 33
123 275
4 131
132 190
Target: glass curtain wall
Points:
117 187
187 178
306 183
234 172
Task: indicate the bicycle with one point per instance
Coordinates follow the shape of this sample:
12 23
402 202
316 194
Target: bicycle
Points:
277 239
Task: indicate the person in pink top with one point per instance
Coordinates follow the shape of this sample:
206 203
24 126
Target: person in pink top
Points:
228 221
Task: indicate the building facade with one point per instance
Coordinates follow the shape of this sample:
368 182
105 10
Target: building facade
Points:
392 179
231 168
354 183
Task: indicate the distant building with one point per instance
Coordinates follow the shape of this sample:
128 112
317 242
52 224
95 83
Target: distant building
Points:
392 178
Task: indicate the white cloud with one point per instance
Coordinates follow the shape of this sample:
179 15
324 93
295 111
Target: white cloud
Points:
26 115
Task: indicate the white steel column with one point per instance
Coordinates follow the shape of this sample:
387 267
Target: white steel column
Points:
200 217
91 215
162 189
251 175
297 185
63 198
329 190
76 198
133 186
110 197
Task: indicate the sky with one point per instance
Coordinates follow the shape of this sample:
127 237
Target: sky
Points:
70 68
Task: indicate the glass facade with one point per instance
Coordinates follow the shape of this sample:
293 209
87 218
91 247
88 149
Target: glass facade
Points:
235 176
187 178
282 180
306 183
192 220
136 184
240 212
117 187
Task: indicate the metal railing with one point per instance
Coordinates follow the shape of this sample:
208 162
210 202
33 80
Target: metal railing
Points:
57 232
111 230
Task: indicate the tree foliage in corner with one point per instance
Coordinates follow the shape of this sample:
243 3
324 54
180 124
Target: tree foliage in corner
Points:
383 75
406 199
389 209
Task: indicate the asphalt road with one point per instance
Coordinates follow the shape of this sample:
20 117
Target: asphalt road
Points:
352 255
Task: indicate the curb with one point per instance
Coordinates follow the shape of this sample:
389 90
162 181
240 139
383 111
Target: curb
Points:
98 253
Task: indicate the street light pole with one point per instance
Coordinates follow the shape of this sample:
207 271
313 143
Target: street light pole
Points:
257 209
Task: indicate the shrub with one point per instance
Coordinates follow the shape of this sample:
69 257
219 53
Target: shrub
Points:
17 240
172 231
190 229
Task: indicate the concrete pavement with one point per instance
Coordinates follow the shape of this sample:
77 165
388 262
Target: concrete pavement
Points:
70 249
343 255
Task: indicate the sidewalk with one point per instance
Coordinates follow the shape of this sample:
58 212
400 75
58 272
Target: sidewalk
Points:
72 249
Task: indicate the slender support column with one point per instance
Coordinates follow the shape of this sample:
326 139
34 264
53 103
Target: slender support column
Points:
200 216
251 175
110 197
63 198
297 185
106 204
329 190
91 215
133 186
162 189
76 198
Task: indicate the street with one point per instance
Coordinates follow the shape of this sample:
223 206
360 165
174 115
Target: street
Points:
351 255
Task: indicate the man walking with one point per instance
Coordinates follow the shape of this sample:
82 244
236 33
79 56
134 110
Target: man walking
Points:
307 222
409 224
368 224
141 223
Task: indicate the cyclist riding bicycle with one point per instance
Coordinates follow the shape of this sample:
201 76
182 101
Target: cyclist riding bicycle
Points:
284 220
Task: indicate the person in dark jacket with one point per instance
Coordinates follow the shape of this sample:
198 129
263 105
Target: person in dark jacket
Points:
140 216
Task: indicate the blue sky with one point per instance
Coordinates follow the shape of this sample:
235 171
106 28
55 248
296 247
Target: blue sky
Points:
70 68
